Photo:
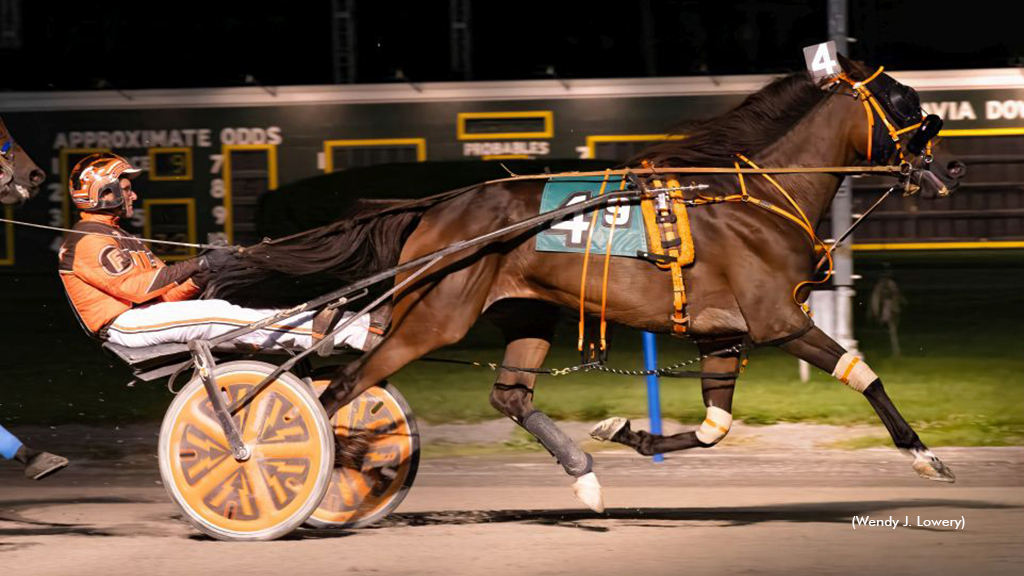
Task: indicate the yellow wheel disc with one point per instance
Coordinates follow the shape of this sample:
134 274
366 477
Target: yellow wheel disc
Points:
272 492
375 461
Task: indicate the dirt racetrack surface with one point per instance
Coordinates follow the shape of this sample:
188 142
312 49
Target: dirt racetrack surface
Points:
746 510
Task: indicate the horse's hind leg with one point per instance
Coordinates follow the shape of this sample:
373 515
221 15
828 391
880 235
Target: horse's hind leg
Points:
433 315
717 393
818 349
528 327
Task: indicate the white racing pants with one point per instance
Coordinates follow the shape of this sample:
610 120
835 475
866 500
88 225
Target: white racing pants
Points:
180 322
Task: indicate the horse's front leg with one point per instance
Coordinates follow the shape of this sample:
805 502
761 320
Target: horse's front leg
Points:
815 347
717 393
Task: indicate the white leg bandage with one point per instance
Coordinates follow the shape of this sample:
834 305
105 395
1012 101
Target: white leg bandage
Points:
715 426
168 322
854 372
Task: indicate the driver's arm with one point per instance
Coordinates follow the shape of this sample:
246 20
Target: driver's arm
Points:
185 291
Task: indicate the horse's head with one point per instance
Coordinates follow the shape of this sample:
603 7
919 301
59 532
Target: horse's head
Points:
20 178
893 129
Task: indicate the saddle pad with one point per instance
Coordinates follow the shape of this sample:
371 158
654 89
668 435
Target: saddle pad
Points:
571 235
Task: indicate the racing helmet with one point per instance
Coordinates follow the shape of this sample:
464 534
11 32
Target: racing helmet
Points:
96 175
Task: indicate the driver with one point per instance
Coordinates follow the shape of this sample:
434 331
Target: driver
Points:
123 293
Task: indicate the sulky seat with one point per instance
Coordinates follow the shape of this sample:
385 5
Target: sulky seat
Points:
151 362
162 360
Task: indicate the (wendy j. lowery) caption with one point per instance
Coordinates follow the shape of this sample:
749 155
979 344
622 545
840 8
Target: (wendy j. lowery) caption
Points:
917 521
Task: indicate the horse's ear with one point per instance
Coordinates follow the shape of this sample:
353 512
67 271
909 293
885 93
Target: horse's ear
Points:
855 70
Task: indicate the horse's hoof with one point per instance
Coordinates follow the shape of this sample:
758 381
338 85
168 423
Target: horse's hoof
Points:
928 465
588 490
606 429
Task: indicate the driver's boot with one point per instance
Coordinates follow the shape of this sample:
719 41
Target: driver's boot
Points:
39 465
380 321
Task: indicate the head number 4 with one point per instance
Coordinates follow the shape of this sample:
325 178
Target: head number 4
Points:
822 61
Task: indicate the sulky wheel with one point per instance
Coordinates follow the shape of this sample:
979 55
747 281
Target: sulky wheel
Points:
292 454
376 460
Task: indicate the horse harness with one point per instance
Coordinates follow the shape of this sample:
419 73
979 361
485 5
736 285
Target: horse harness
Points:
664 206
6 165
898 109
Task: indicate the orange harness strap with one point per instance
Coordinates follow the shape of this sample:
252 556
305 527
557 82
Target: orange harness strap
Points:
607 265
803 217
802 221
586 260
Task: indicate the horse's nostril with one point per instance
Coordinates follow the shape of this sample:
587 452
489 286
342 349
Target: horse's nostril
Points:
956 169
36 176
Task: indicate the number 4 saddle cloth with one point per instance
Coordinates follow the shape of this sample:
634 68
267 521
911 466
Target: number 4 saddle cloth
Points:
657 230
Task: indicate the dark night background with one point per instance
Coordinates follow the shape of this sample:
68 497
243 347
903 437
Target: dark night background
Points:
129 45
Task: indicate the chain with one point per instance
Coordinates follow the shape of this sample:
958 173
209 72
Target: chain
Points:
668 370
596 366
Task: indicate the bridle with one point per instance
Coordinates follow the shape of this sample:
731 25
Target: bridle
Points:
6 167
898 111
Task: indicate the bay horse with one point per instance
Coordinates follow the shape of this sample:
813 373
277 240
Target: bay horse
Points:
740 287
20 178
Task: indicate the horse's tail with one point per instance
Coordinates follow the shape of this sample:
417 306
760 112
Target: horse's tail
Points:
303 266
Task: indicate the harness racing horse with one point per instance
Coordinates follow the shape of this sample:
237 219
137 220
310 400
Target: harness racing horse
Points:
740 287
20 178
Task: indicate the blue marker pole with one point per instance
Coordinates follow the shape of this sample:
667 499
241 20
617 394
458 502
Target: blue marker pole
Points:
653 394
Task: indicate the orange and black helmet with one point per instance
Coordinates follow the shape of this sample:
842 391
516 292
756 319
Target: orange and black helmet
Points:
96 175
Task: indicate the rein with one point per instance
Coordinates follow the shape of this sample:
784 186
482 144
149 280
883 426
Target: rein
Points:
432 201
891 170
887 169
149 240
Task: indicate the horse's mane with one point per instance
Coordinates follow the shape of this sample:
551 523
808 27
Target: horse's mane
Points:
760 121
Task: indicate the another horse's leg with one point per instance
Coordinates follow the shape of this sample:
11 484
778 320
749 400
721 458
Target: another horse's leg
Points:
528 327
717 393
815 347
